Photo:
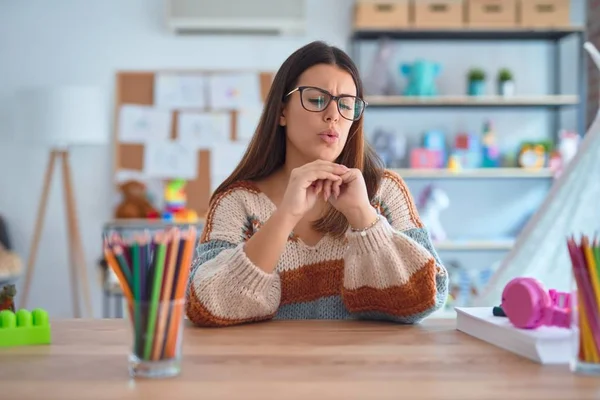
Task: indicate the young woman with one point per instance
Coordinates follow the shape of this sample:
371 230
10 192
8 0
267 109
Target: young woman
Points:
310 225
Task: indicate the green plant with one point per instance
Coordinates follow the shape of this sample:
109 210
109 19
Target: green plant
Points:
476 74
505 75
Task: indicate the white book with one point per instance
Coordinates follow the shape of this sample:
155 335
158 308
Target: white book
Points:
544 345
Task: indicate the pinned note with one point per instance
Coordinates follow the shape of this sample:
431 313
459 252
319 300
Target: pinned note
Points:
204 130
234 91
247 122
180 90
223 160
170 159
143 124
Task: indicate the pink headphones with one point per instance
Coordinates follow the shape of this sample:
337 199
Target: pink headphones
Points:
528 305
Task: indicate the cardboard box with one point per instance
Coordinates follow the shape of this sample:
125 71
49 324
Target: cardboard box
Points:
492 13
382 14
438 13
544 13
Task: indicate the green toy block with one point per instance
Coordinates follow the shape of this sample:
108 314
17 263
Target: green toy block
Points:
24 328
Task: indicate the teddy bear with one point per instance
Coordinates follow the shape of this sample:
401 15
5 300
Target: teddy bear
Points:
134 203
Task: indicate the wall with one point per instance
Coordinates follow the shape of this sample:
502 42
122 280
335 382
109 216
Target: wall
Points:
74 41
86 42
593 81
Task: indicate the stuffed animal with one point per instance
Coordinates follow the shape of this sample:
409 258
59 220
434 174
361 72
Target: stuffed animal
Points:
7 296
421 78
10 264
390 146
380 80
135 203
432 202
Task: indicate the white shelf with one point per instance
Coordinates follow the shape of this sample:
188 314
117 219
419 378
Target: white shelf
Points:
474 245
472 101
475 173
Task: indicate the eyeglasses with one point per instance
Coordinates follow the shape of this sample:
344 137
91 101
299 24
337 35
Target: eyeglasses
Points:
316 100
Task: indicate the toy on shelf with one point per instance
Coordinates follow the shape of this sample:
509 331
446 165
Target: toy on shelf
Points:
532 155
421 78
490 151
421 158
390 146
436 141
24 328
467 150
432 202
135 203
568 144
175 203
380 80
7 298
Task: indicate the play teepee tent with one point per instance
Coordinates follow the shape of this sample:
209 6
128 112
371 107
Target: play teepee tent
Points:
572 207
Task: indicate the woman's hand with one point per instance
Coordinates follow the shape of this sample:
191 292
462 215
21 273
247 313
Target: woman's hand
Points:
350 197
307 182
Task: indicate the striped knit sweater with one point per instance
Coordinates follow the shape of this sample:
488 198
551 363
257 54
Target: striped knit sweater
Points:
391 273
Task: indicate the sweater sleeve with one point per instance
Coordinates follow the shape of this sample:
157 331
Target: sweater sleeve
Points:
225 287
392 270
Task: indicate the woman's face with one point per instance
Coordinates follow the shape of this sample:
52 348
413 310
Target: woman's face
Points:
322 135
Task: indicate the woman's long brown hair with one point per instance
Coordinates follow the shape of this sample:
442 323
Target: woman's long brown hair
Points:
266 151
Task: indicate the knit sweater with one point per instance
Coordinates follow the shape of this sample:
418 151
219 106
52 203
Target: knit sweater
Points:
392 272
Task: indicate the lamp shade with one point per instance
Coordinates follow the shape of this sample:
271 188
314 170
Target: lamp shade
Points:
62 116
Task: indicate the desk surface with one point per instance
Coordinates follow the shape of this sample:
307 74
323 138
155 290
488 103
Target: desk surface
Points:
288 360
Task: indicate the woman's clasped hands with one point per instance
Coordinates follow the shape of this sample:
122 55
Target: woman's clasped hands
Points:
343 187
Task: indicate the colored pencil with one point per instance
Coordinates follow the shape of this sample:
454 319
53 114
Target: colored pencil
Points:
152 271
585 262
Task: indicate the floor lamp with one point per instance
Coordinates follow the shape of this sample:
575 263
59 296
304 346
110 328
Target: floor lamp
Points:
62 118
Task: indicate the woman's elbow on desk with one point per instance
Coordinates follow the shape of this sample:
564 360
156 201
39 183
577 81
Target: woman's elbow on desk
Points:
225 288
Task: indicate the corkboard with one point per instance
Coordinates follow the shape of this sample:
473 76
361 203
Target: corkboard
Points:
138 88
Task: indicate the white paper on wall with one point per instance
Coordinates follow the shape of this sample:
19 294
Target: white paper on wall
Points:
234 91
203 130
170 159
180 90
143 124
224 157
247 122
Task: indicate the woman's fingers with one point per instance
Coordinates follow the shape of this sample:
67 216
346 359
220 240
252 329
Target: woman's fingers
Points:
327 189
336 187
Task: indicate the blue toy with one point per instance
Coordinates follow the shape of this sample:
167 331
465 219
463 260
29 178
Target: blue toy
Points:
421 78
436 141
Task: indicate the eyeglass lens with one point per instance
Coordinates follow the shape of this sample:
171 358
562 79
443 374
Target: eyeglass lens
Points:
350 107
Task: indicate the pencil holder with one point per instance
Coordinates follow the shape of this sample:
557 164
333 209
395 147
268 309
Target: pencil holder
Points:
157 329
585 306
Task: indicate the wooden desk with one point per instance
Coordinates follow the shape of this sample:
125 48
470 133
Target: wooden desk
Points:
288 360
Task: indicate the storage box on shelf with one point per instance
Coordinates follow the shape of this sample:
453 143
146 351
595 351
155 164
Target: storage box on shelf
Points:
382 14
438 14
544 13
491 13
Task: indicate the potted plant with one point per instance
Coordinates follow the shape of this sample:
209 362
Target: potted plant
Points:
506 85
476 85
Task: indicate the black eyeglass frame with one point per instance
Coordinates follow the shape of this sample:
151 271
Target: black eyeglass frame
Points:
301 89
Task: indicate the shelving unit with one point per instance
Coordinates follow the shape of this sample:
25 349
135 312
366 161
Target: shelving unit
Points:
474 245
473 101
554 102
478 173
